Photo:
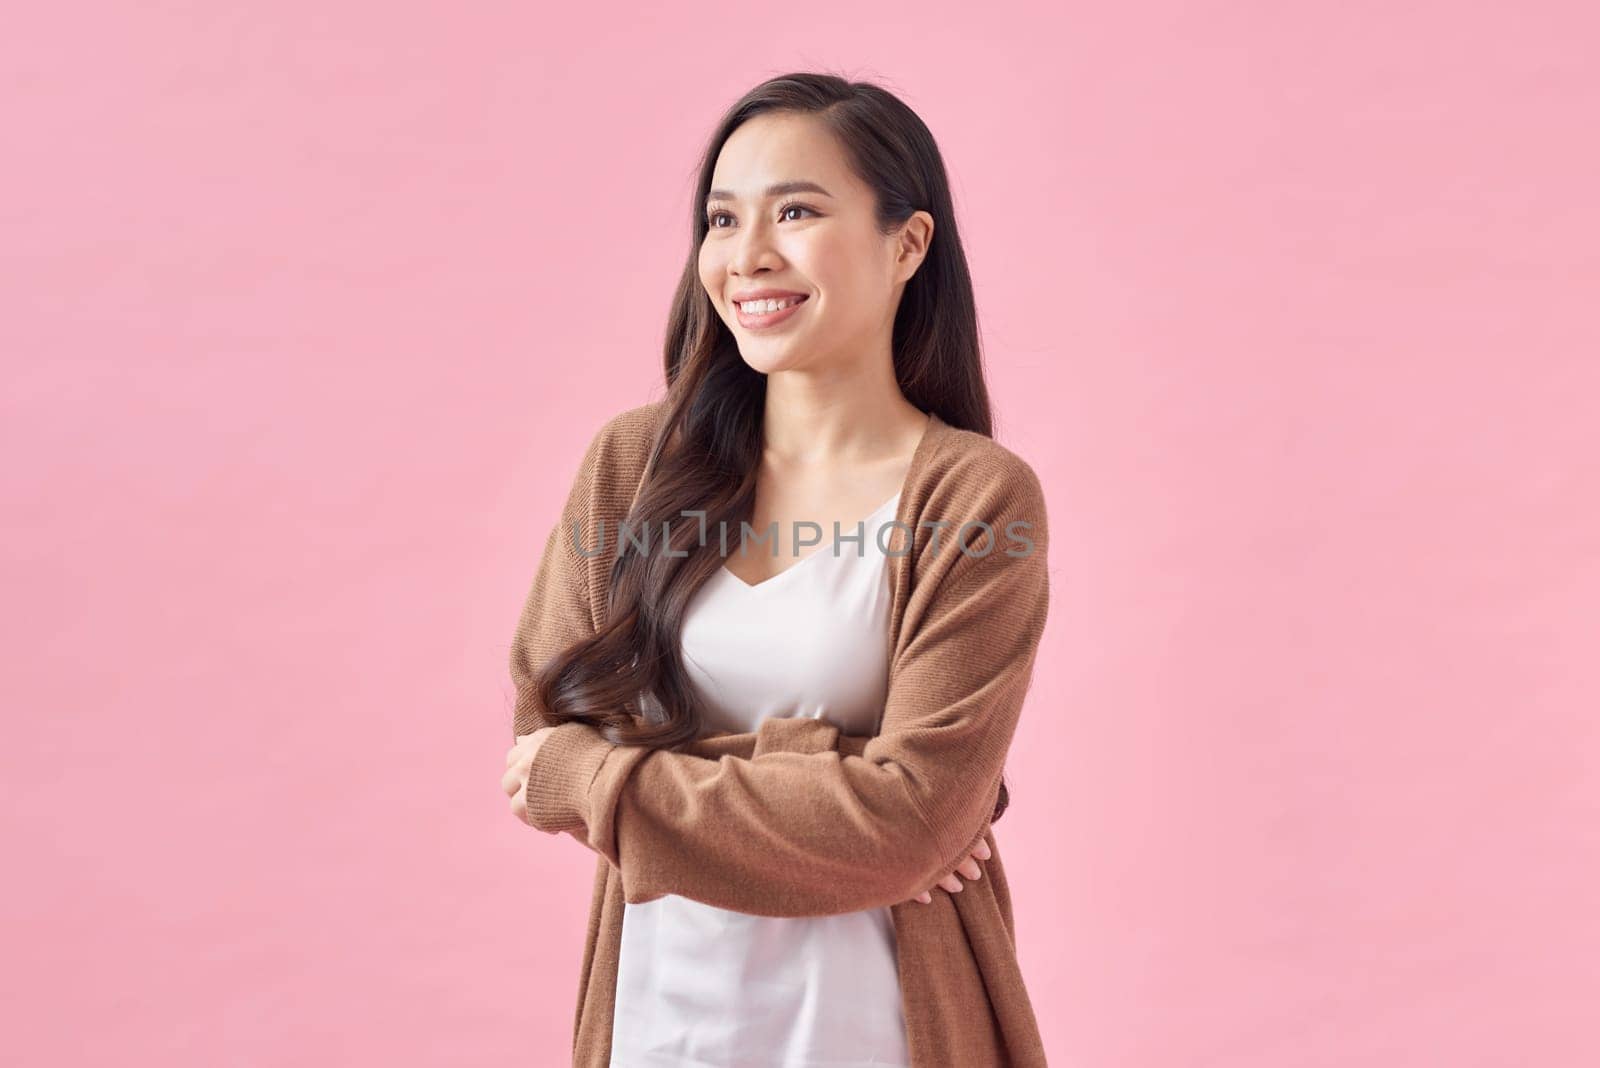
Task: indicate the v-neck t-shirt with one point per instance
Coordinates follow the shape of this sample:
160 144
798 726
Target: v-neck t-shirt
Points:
705 987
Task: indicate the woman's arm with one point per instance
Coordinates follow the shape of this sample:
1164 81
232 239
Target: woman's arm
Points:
804 833
556 613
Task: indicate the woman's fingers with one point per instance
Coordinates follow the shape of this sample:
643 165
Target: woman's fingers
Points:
969 867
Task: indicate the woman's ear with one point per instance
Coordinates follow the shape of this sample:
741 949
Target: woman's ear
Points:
914 237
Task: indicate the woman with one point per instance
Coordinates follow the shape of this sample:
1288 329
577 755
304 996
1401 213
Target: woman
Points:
778 756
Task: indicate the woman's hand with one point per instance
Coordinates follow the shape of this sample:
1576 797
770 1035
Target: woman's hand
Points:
968 867
519 761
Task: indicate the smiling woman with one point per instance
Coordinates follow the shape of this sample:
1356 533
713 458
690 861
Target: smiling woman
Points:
778 764
791 215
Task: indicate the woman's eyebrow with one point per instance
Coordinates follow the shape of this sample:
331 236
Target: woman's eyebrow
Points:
781 189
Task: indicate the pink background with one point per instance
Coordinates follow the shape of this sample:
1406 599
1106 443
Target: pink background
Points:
308 311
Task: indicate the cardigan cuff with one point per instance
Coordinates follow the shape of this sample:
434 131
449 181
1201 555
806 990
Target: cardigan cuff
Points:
558 780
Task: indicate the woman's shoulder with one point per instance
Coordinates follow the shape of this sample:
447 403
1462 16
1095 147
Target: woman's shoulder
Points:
631 428
617 454
639 422
967 467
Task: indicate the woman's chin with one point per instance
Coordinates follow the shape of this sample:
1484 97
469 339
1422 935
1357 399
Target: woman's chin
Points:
769 358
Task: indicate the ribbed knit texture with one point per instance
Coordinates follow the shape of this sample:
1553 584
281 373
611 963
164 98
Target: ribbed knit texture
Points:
796 819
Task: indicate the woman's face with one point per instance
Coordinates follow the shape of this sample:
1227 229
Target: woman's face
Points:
819 241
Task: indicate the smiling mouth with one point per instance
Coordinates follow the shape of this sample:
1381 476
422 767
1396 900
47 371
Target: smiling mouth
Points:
766 320
760 307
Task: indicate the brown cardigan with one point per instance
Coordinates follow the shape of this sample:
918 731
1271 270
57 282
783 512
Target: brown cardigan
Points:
796 819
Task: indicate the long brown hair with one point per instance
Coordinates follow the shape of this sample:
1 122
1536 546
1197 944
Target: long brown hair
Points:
628 680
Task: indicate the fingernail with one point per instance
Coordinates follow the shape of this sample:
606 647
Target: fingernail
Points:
983 850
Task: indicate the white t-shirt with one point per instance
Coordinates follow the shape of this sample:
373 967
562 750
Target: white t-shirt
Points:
703 987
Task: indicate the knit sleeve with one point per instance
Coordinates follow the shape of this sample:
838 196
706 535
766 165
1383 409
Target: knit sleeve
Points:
808 833
556 612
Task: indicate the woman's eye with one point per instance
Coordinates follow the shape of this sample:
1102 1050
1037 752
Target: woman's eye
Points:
711 218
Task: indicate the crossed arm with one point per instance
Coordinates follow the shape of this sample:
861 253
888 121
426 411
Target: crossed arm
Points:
813 823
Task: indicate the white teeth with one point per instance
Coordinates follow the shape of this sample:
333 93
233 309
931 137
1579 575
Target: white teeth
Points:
766 307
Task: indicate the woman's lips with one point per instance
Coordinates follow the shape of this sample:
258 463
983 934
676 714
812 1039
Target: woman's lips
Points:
763 322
